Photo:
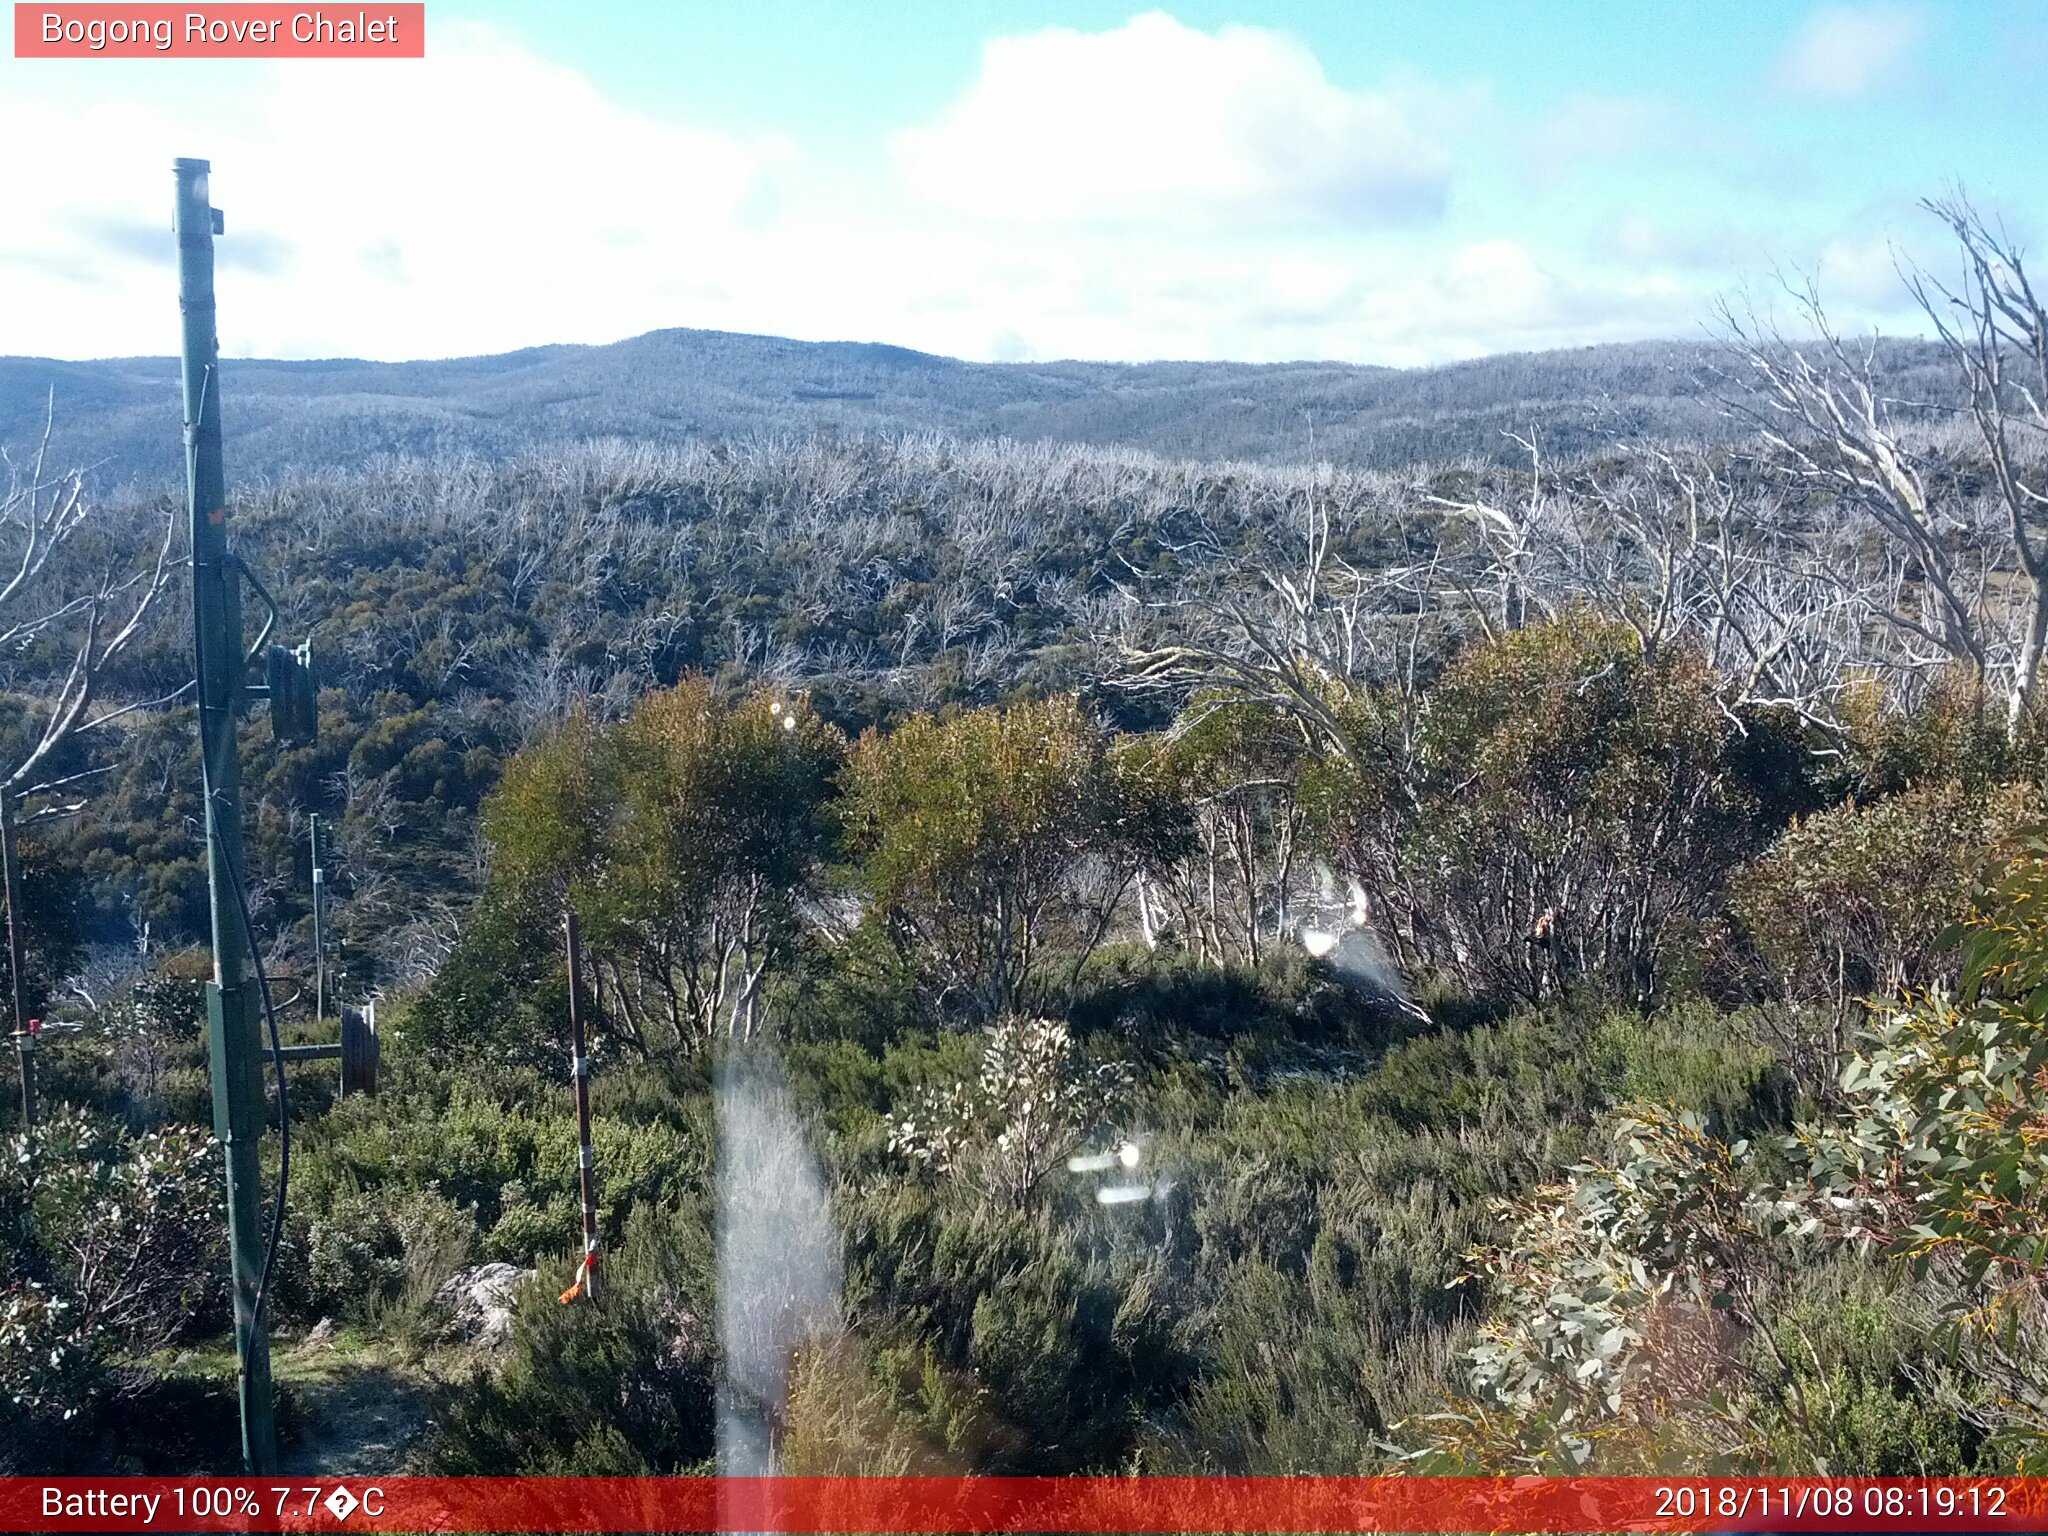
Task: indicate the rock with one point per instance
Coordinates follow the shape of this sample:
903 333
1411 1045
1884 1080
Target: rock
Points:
480 1301
320 1335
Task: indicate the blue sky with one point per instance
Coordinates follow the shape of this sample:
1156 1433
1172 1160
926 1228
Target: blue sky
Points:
1379 180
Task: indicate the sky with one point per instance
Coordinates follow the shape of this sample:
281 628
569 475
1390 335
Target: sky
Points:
1380 181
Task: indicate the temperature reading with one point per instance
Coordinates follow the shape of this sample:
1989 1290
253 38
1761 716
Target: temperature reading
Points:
308 1493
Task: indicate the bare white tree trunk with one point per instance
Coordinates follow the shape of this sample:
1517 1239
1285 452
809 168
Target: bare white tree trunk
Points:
98 608
1996 330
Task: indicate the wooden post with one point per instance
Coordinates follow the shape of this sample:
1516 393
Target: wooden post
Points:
580 1073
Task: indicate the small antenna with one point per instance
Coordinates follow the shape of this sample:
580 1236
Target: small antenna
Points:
586 1282
319 922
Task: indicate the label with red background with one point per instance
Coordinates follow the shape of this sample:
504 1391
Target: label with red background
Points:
240 31
985 1506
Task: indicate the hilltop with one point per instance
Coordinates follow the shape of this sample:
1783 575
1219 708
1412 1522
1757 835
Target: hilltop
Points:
286 418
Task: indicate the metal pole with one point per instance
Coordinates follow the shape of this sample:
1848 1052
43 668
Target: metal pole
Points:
233 1033
579 1068
24 1041
319 924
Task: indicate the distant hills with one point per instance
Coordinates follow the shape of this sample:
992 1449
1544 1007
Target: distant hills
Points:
287 418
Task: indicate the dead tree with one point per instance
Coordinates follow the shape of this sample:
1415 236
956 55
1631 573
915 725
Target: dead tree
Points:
86 605
1996 331
1296 635
1681 549
1512 535
83 607
1824 413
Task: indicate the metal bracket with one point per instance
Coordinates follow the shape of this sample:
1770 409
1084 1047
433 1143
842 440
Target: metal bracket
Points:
360 1049
293 689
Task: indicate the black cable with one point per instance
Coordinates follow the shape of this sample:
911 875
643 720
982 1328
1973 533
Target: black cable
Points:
284 1106
241 890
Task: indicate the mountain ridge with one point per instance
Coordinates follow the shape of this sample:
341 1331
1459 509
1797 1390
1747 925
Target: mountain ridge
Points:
289 416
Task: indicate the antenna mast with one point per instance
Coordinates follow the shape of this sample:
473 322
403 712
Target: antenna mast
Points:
234 1036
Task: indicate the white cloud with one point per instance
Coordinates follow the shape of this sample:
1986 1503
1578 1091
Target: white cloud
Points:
1586 127
1165 299
1844 51
1158 122
1863 271
1188 194
476 200
1714 249
1497 296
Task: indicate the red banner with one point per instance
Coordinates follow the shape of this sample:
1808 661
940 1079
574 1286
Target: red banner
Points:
932 1505
101 31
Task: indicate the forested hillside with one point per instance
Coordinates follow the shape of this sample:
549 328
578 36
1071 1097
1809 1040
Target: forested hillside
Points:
1099 959
290 418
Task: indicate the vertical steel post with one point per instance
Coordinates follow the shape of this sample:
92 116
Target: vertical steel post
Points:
579 1067
17 960
233 1033
319 923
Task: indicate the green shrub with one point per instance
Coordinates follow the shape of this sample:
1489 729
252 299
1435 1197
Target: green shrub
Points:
495 1152
1161 1006
1297 1375
1673 1304
1857 1398
1561 810
1064 1327
624 1388
57 1373
1007 1126
125 1228
1953 736
974 833
365 1250
114 1251
1937 1156
1699 1060
500 1000
1850 905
